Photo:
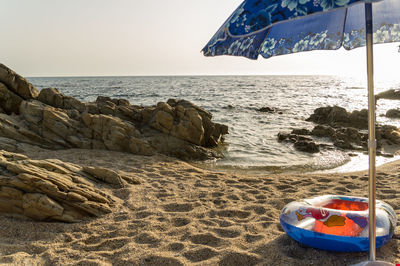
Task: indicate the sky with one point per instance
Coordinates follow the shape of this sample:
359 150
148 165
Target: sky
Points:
149 37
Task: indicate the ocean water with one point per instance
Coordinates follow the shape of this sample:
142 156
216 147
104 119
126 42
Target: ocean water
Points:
233 100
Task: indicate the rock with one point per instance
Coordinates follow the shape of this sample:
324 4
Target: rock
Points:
17 84
343 144
350 135
50 119
393 113
52 97
390 133
40 207
337 116
267 109
359 119
105 175
9 101
287 137
329 115
389 94
186 105
323 131
163 121
186 121
306 146
53 190
302 131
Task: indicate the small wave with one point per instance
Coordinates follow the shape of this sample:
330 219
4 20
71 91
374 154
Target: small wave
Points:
355 88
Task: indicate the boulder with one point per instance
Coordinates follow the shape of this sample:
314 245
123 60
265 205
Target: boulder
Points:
52 97
105 175
358 119
343 144
17 84
301 131
306 146
186 121
9 101
329 115
389 133
337 117
393 113
350 134
391 94
323 131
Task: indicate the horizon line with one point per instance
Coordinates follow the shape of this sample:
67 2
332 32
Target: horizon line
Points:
178 75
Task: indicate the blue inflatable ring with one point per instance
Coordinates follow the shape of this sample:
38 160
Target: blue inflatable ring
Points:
337 223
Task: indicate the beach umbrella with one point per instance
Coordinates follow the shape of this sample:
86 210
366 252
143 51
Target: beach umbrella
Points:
277 27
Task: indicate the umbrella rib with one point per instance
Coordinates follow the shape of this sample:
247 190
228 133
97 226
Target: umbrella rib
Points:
344 25
262 43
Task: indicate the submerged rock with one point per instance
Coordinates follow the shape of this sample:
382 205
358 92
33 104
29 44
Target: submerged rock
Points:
306 146
389 94
393 113
300 142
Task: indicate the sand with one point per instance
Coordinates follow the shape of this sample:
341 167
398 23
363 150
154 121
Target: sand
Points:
184 215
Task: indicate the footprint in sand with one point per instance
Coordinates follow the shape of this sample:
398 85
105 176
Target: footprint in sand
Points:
233 214
106 245
176 246
164 195
227 233
159 260
258 209
146 238
207 239
179 221
200 254
341 190
223 223
253 238
144 214
233 197
178 207
236 259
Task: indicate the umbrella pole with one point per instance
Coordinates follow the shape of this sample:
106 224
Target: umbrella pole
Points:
371 133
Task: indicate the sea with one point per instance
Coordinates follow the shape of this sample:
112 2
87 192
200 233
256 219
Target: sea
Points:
252 143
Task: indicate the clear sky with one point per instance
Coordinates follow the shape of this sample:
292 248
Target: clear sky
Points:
148 37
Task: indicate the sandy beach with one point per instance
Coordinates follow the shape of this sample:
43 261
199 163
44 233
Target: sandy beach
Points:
184 215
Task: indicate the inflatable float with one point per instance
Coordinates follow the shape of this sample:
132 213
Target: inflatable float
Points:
337 223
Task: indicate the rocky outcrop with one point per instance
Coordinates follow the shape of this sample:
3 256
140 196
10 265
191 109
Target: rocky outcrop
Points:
188 122
52 120
17 84
55 190
389 94
336 116
345 130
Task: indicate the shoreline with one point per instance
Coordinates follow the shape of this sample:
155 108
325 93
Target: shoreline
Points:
184 215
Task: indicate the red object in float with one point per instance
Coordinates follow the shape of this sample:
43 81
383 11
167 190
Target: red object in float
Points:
349 229
346 205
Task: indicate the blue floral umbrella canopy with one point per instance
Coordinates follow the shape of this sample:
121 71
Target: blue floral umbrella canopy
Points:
257 27
277 27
